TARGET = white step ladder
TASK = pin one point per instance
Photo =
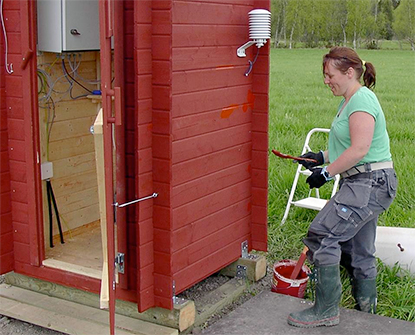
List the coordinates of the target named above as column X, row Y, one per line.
column 311, row 202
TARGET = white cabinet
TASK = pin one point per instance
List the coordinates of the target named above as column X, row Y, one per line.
column 67, row 25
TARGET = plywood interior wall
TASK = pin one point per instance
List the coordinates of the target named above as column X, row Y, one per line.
column 66, row 140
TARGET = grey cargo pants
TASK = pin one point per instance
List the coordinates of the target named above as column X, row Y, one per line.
column 347, row 224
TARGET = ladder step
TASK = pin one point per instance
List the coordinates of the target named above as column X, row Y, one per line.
column 311, row 203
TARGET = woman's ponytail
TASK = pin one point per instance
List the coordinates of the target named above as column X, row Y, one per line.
column 369, row 76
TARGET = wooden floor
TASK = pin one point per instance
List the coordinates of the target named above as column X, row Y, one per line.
column 81, row 252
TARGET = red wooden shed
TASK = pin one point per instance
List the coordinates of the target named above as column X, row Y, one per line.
column 188, row 125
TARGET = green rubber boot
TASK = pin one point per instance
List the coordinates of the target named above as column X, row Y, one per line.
column 325, row 311
column 364, row 292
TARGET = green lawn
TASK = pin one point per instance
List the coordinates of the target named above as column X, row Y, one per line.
column 299, row 101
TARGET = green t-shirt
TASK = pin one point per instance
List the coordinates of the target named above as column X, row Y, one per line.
column 364, row 100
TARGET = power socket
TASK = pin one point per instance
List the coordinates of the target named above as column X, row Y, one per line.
column 46, row 170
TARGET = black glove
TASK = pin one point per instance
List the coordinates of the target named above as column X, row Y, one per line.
column 318, row 156
column 318, row 178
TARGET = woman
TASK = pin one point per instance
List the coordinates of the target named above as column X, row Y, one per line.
column 344, row 231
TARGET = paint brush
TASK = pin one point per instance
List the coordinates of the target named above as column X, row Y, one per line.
column 281, row 155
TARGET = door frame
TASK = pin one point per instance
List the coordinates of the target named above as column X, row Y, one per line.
column 28, row 71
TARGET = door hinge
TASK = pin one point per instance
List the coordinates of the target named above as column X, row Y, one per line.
column 119, row 262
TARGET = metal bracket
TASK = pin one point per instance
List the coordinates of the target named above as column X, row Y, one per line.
column 244, row 249
column 176, row 300
column 240, row 272
column 241, row 50
column 119, row 262
column 116, row 204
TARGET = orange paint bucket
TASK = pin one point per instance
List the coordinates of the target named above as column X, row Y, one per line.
column 282, row 283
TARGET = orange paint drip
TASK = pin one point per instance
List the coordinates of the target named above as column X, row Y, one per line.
column 246, row 105
column 250, row 101
column 224, row 67
column 226, row 112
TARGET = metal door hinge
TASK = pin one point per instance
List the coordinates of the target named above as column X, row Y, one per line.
column 119, row 262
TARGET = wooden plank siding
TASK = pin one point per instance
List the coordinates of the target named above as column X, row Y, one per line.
column 6, row 227
column 13, row 151
column 69, row 146
column 214, row 113
column 130, row 146
column 211, row 193
column 141, row 135
column 161, row 150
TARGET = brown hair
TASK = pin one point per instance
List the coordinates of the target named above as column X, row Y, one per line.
column 343, row 58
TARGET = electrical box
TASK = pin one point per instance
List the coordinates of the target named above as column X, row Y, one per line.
column 68, row 25
column 46, row 170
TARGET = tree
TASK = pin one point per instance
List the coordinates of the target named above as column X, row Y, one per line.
column 385, row 20
column 344, row 18
column 358, row 11
column 278, row 8
column 404, row 25
column 335, row 22
column 312, row 22
column 373, row 26
column 293, row 18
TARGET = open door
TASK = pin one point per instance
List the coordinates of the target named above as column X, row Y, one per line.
column 111, row 44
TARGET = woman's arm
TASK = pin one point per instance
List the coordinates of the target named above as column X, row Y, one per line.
column 361, row 128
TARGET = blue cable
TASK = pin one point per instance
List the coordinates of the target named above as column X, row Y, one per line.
column 251, row 64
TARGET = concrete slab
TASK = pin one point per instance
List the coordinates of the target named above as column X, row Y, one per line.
column 266, row 314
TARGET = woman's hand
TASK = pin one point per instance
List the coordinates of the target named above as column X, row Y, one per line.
column 317, row 156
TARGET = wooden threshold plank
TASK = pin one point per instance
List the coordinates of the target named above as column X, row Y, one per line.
column 74, row 268
column 68, row 317
column 52, row 320
column 163, row 317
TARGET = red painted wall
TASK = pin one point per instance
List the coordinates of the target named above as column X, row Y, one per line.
column 196, row 133
column 6, row 228
column 210, row 122
column 143, row 75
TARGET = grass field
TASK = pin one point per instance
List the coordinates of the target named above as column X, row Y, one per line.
column 299, row 101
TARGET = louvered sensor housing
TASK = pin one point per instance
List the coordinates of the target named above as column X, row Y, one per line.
column 259, row 30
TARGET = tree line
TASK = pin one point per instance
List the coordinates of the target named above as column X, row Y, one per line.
column 362, row 23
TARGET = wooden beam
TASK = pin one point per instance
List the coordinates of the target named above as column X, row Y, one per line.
column 256, row 267
column 100, row 167
column 67, row 316
column 219, row 298
column 181, row 317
